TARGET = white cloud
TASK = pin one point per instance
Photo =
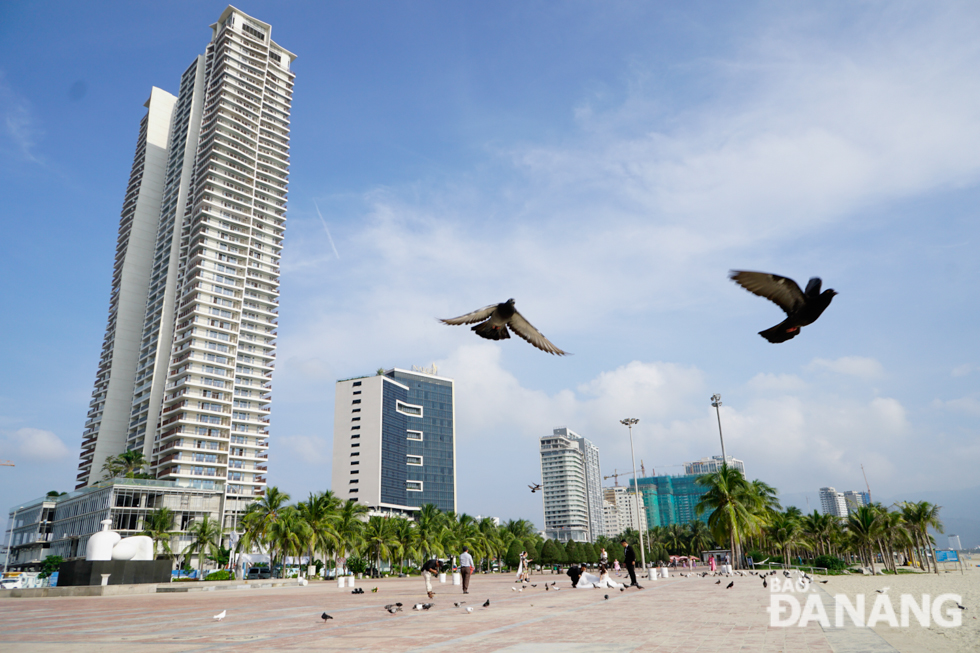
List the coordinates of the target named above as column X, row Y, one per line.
column 963, row 370
column 18, row 120
column 968, row 405
column 776, row 382
column 859, row 366
column 32, row 445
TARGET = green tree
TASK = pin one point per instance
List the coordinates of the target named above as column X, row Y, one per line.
column 548, row 555
column 259, row 518
column 572, row 553
column 128, row 464
column 50, row 565
column 159, row 526
column 320, row 512
column 734, row 509
column 430, row 523
column 513, row 555
column 287, row 536
column 349, row 527
column 699, row 537
column 205, row 541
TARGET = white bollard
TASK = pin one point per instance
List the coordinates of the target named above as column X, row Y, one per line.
column 105, row 579
column 457, row 578
column 442, row 577
column 350, row 581
column 341, row 581
column 652, row 573
column 664, row 572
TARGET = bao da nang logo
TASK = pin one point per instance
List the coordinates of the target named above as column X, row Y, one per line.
column 794, row 603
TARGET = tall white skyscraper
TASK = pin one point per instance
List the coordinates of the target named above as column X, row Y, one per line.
column 571, row 487
column 624, row 503
column 832, row 502
column 186, row 367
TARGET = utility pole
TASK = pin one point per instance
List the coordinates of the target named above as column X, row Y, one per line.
column 629, row 422
column 716, row 402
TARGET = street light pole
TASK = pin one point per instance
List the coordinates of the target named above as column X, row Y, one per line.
column 629, row 422
column 716, row 402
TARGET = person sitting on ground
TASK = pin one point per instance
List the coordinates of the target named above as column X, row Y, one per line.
column 574, row 572
column 606, row 581
column 587, row 580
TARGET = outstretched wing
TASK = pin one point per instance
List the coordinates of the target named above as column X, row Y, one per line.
column 782, row 291
column 471, row 318
column 524, row 329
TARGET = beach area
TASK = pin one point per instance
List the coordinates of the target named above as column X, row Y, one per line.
column 916, row 638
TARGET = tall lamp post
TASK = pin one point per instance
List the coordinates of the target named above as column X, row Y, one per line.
column 629, row 422
column 716, row 402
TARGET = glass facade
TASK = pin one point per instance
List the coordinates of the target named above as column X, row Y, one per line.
column 431, row 437
column 671, row 499
column 394, row 445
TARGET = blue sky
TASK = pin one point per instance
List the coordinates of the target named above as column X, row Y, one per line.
column 605, row 164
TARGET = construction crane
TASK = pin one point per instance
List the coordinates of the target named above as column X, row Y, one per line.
column 866, row 482
column 615, row 476
column 6, row 463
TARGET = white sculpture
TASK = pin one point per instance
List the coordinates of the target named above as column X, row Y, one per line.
column 109, row 545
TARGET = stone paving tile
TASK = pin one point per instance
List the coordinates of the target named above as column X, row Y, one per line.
column 674, row 615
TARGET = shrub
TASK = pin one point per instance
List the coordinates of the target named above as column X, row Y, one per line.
column 830, row 562
column 357, row 565
column 221, row 574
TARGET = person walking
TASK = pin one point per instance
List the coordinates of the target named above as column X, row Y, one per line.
column 629, row 558
column 466, row 568
column 604, row 557
column 428, row 570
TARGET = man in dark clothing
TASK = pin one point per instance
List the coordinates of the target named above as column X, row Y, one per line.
column 629, row 558
column 429, row 569
column 574, row 572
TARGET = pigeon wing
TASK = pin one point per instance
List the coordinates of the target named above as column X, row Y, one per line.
column 526, row 330
column 471, row 318
column 782, row 291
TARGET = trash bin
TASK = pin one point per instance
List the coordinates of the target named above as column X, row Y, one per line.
column 442, row 577
column 350, row 581
column 457, row 578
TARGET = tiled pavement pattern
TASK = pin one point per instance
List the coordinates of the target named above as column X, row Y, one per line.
column 676, row 614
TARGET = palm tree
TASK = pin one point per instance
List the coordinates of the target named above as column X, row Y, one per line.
column 260, row 517
column 287, row 535
column 459, row 531
column 406, row 535
column 380, row 538
column 429, row 520
column 700, row 537
column 785, row 532
column 349, row 527
column 676, row 539
column 206, row 535
column 159, row 525
column 127, row 464
column 863, row 528
column 734, row 507
column 921, row 517
column 520, row 528
column 490, row 543
column 319, row 512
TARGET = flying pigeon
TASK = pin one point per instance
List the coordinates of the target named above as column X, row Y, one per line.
column 219, row 617
column 730, row 585
column 534, row 584
column 325, row 616
column 494, row 320
column 802, row 307
column 487, row 604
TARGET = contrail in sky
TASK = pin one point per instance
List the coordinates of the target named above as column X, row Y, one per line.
column 324, row 223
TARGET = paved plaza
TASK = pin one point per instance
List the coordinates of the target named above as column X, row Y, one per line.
column 676, row 614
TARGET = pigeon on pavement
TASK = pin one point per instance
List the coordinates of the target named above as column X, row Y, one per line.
column 325, row 616
column 487, row 604
column 221, row 615
column 468, row 610
column 802, row 307
column 730, row 585
column 495, row 319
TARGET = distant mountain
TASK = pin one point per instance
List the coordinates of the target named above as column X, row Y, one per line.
column 959, row 512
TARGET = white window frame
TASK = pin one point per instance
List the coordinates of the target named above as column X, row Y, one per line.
column 399, row 404
column 409, row 488
column 420, row 462
column 410, row 432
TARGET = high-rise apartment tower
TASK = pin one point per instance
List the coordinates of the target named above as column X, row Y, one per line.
column 832, row 502
column 571, row 487
column 186, row 366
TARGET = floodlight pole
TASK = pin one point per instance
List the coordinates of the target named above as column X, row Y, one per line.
column 629, row 422
column 716, row 402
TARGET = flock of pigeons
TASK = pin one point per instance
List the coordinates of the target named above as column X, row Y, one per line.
column 802, row 308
